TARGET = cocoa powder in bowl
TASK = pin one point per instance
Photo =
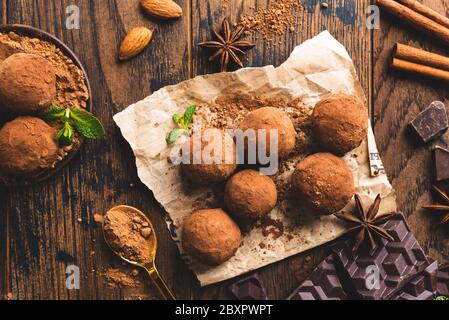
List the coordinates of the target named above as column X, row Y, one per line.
column 129, row 235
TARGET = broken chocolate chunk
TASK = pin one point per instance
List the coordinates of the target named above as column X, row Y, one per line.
column 250, row 288
column 380, row 273
column 441, row 164
column 422, row 287
column 432, row 122
column 323, row 284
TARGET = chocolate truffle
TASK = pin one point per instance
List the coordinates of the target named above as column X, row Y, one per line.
column 250, row 195
column 211, row 236
column 340, row 123
column 268, row 118
column 27, row 145
column 211, row 157
column 27, row 83
column 324, row 183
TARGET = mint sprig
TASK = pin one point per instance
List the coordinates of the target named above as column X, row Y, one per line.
column 84, row 122
column 441, row 298
column 183, row 123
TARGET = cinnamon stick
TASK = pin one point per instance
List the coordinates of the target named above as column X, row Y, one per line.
column 426, row 11
column 415, row 19
column 408, row 53
column 420, row 69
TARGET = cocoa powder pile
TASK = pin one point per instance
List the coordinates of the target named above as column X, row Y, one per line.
column 129, row 235
column 277, row 19
column 71, row 89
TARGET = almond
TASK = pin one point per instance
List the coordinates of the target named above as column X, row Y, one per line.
column 162, row 9
column 134, row 43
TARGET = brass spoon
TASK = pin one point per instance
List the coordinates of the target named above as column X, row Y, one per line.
column 148, row 265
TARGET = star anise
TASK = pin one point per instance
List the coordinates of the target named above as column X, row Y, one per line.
column 228, row 45
column 367, row 223
column 444, row 208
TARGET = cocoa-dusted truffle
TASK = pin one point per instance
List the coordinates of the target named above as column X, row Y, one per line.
column 271, row 118
column 250, row 195
column 27, row 145
column 27, row 83
column 211, row 157
column 324, row 183
column 340, row 123
column 211, row 236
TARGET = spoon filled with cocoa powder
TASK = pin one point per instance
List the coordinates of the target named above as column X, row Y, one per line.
column 130, row 235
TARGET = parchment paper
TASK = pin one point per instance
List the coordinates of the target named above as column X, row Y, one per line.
column 315, row 69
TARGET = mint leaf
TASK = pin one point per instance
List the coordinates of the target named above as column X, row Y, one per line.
column 176, row 134
column 441, row 298
column 55, row 113
column 65, row 135
column 177, row 118
column 87, row 124
column 188, row 115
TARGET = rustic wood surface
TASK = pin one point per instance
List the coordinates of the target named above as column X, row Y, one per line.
column 43, row 226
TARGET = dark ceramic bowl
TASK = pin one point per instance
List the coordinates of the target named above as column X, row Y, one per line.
column 40, row 34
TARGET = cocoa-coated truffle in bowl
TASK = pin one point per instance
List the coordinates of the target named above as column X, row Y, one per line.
column 211, row 236
column 211, row 157
column 269, row 118
column 27, row 145
column 250, row 195
column 27, row 83
column 324, row 183
column 340, row 123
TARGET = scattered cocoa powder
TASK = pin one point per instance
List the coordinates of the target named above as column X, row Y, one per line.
column 279, row 18
column 272, row 227
column 119, row 279
column 71, row 89
column 129, row 235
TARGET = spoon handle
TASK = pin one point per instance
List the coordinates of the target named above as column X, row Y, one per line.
column 160, row 284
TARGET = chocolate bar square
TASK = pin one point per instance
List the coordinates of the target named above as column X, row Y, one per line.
column 380, row 273
column 323, row 284
column 250, row 288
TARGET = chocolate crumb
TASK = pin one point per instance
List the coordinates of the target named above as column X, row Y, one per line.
column 272, row 227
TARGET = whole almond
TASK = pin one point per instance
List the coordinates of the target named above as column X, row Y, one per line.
column 162, row 9
column 134, row 43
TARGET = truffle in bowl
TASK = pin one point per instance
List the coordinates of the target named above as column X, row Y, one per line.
column 324, row 183
column 27, row 83
column 211, row 236
column 27, row 145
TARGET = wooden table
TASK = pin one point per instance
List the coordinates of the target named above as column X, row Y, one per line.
column 42, row 226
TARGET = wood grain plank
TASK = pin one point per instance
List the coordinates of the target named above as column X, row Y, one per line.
column 346, row 21
column 57, row 216
column 398, row 98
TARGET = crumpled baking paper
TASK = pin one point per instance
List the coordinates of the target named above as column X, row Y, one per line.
column 315, row 69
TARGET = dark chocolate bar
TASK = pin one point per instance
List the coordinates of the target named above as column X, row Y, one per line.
column 382, row 272
column 441, row 157
column 323, row 284
column 250, row 288
column 432, row 122
column 421, row 287
column 443, row 281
